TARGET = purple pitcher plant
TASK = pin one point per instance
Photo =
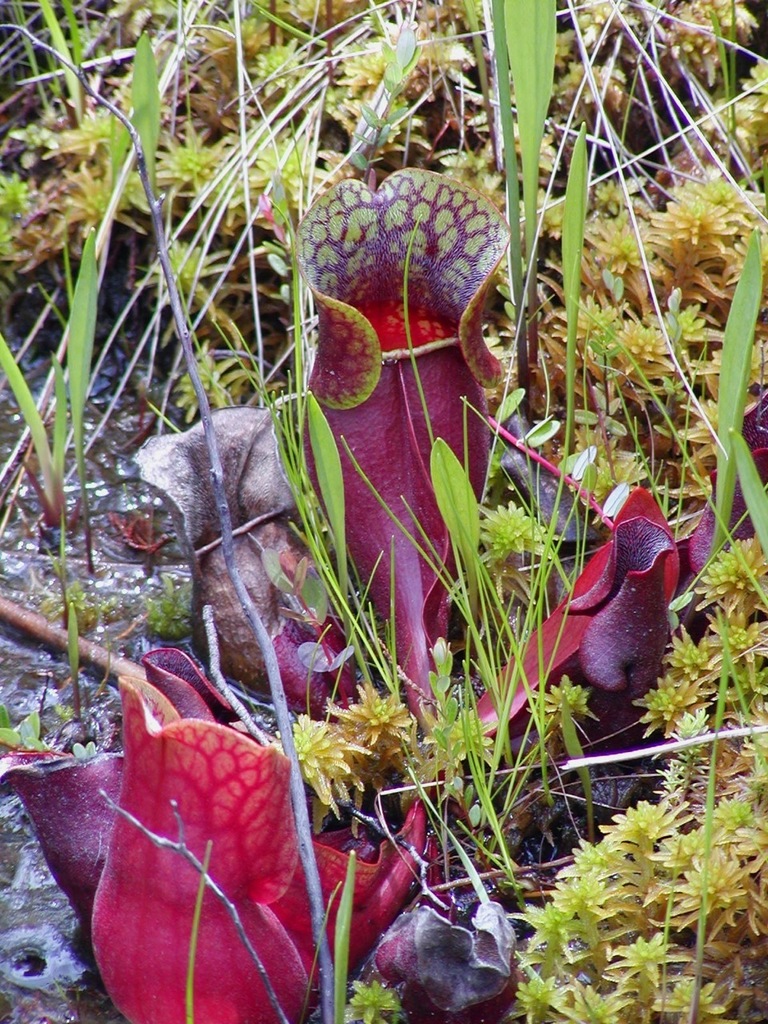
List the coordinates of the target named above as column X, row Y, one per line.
column 611, row 631
column 399, row 277
column 108, row 826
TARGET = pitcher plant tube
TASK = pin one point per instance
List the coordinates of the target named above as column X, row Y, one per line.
column 611, row 631
column 399, row 276
column 112, row 829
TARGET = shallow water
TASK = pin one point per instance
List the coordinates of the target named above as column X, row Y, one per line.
column 46, row 975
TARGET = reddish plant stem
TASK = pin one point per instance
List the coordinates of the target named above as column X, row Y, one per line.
column 534, row 456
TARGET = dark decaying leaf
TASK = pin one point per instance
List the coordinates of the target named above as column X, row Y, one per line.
column 178, row 466
column 447, row 972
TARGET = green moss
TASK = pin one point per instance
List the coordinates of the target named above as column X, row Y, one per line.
column 373, row 1004
column 169, row 615
column 90, row 606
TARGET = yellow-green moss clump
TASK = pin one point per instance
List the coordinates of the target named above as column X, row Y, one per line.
column 616, row 938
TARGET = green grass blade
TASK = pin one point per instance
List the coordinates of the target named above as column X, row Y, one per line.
column 73, row 653
column 59, row 436
column 285, row 26
column 331, row 482
column 119, row 142
column 74, row 88
column 506, row 121
column 752, row 487
column 734, row 377
column 146, row 102
column 73, row 648
column 82, row 328
column 74, row 32
column 341, row 941
column 32, row 419
column 706, row 898
column 458, row 507
column 574, row 749
column 574, row 216
column 189, row 995
column 469, row 867
column 470, row 10
column 19, row 18
column 531, row 31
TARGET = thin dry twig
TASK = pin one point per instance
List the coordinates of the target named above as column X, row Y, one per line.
column 219, row 682
column 664, row 749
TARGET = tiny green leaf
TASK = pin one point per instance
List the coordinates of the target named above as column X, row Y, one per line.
column 270, row 559
column 510, row 404
column 330, row 480
column 614, row 501
column 393, row 77
column 406, row 50
column 583, row 460
column 542, row 432
column 370, row 117
column 590, row 477
column 314, row 596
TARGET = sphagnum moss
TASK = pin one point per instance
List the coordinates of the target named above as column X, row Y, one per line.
column 624, row 915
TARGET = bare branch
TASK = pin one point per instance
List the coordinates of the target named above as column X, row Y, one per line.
column 220, row 684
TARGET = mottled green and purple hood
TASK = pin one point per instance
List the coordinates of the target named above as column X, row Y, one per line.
column 361, row 251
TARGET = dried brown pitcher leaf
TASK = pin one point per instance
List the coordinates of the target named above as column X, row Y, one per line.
column 178, row 466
